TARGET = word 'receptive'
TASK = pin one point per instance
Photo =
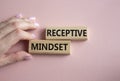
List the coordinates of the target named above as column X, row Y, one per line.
column 71, row 33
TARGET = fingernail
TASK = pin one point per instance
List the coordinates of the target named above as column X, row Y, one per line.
column 27, row 57
column 32, row 18
column 19, row 15
column 36, row 24
column 33, row 35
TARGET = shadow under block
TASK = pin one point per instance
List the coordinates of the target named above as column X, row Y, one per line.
column 69, row 33
column 49, row 47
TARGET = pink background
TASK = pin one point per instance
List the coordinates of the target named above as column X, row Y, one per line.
column 97, row 59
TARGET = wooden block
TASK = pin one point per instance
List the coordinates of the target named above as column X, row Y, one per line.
column 71, row 33
column 49, row 47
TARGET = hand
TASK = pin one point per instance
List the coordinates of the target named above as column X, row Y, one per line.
column 11, row 32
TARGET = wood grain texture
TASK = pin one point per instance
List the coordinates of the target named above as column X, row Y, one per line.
column 49, row 47
column 66, row 33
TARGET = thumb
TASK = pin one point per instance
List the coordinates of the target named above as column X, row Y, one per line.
column 14, row 57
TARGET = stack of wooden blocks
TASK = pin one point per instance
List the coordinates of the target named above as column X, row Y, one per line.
column 58, row 40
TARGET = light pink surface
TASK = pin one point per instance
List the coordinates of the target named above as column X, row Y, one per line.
column 97, row 59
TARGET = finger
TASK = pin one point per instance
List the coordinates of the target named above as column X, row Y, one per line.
column 14, row 57
column 3, row 23
column 29, row 19
column 29, row 22
column 8, row 41
column 25, row 25
column 17, row 25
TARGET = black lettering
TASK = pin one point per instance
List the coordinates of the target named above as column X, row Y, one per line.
column 39, row 46
column 60, row 47
column 34, row 46
column 53, row 32
column 67, row 32
column 63, row 32
column 72, row 32
column 76, row 32
column 65, row 46
column 57, row 32
column 51, row 46
column 56, row 46
column 49, row 33
column 44, row 47
column 80, row 32
column 85, row 33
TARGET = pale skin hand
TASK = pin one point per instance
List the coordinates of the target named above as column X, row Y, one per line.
column 11, row 32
